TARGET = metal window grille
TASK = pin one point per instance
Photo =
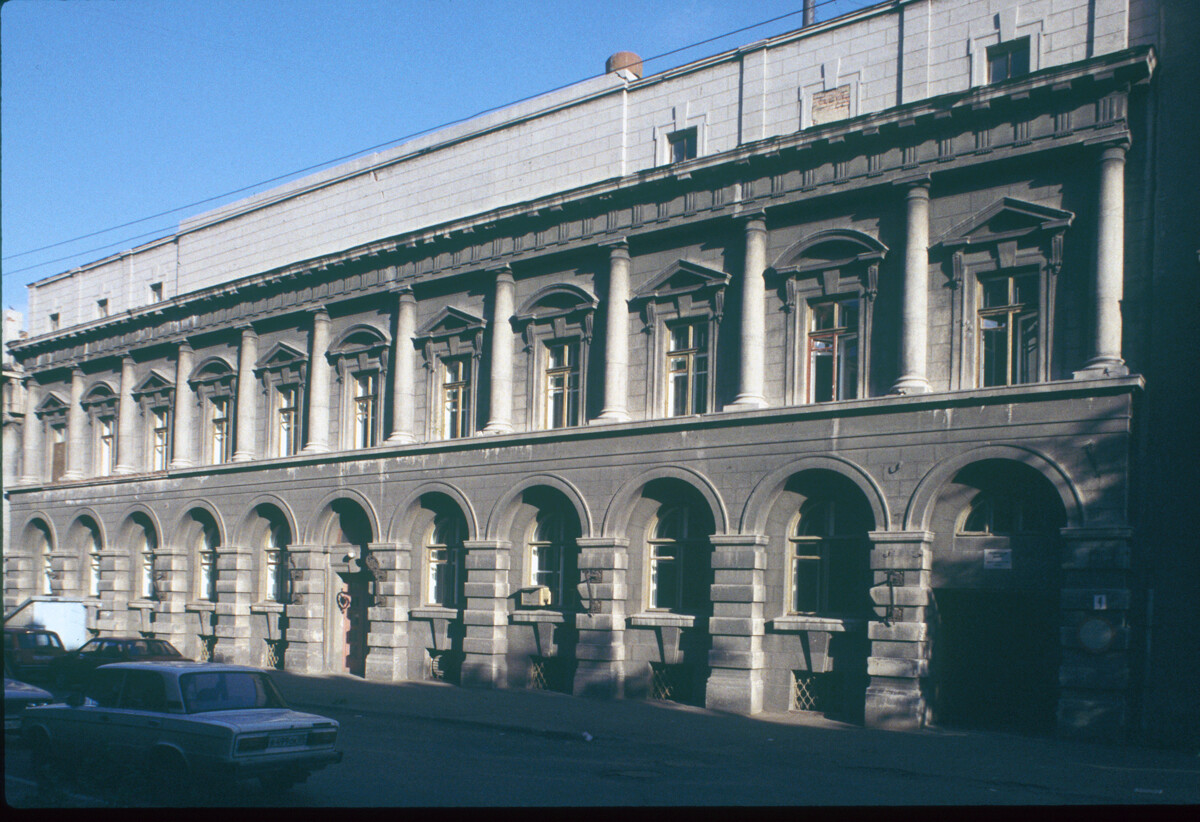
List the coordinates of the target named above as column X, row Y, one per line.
column 549, row 673
column 276, row 649
column 670, row 682
column 817, row 692
column 208, row 647
column 444, row 666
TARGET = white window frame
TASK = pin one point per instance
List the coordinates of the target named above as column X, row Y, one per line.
column 451, row 560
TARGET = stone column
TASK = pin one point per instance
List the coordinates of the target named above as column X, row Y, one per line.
column 247, row 396
column 754, row 317
column 306, row 612
column 76, row 431
column 600, row 650
column 403, row 382
column 486, row 615
column 235, row 594
column 737, row 624
column 500, row 407
column 899, row 661
column 31, row 435
column 914, row 315
column 1094, row 675
column 183, row 440
column 1109, row 283
column 126, row 420
column 616, row 336
column 387, row 641
column 318, row 386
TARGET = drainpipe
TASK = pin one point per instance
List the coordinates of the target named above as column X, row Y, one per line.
column 810, row 12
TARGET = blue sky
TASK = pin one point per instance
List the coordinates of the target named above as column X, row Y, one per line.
column 112, row 111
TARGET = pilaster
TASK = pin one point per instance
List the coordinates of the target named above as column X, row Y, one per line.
column 914, row 310
column 126, row 420
column 486, row 615
column 76, row 437
column 247, row 397
column 616, row 336
column 183, row 443
column 500, row 405
column 754, row 317
column 318, row 385
column 603, row 592
column 306, row 612
column 899, row 661
column 235, row 593
column 736, row 627
column 387, row 657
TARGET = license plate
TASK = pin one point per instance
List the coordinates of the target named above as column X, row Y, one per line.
column 12, row 724
column 288, row 740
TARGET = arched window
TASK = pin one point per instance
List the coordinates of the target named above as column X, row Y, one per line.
column 549, row 547
column 829, row 558
column 678, row 562
column 999, row 514
column 444, row 562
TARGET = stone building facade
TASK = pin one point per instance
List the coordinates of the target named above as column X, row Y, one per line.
column 792, row 378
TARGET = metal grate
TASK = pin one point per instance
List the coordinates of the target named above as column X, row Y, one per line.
column 208, row 647
column 276, row 649
column 444, row 666
column 670, row 682
column 814, row 692
column 549, row 673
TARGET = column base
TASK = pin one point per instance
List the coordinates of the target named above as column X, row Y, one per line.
column 911, row 385
column 747, row 402
column 122, row 470
column 315, row 448
column 894, row 708
column 400, row 439
column 497, row 428
column 1096, row 718
column 180, row 463
column 609, row 415
column 71, row 476
column 1101, row 367
column 734, row 691
column 242, row 456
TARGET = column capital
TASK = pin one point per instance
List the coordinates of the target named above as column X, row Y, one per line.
column 619, row 246
column 755, row 220
column 502, row 274
column 916, row 185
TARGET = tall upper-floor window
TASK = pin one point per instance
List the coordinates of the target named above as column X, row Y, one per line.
column 1008, row 329
column 58, row 451
column 366, row 406
column 833, row 350
column 160, row 442
column 1007, row 60
column 287, row 422
column 687, row 368
column 105, row 446
column 220, row 440
column 562, row 384
column 455, row 397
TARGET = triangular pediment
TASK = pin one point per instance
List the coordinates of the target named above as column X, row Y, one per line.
column 281, row 355
column 449, row 321
column 1007, row 218
column 51, row 403
column 681, row 277
column 153, row 382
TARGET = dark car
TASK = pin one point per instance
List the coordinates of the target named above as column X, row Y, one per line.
column 73, row 668
column 18, row 696
column 28, row 651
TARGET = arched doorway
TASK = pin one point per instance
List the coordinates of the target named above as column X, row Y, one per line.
column 994, row 623
column 353, row 588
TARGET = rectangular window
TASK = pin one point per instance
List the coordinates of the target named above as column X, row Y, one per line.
column 681, row 145
column 833, row 350
column 1008, row 329
column 156, row 292
column 219, row 423
column 160, row 446
column 54, row 319
column 149, row 591
column 665, row 561
column 94, row 576
column 208, row 576
column 102, row 308
column 287, row 422
column 58, row 451
column 441, row 586
column 687, row 369
column 807, row 583
column 456, row 398
column 106, row 452
column 365, row 396
column 1008, row 60
column 562, row 384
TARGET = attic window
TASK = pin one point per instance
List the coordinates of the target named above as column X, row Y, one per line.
column 156, row 292
column 681, row 144
column 53, row 322
column 102, row 308
column 1008, row 60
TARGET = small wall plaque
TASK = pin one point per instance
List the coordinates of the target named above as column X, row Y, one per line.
column 997, row 558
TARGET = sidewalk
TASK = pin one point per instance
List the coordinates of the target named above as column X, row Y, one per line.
column 1067, row 771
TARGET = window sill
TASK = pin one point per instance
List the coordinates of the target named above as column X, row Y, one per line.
column 200, row 606
column 433, row 612
column 537, row 616
column 663, row 620
column 144, row 604
column 803, row 622
column 267, row 608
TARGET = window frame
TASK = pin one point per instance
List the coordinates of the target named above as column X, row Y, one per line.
column 361, row 350
column 451, row 333
column 825, row 550
column 100, row 405
column 156, row 394
column 836, row 334
column 456, row 385
column 683, row 144
column 51, row 414
column 283, row 370
column 692, row 557
column 559, row 314
column 454, row 560
column 214, row 383
column 1007, row 50
column 1013, row 312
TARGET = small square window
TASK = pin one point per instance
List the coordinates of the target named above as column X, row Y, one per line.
column 681, row 144
column 1008, row 60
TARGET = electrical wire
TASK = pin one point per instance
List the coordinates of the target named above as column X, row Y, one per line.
column 325, row 164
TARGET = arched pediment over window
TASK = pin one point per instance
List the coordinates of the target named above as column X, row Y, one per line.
column 99, row 396
column 555, row 300
column 211, row 370
column 833, row 248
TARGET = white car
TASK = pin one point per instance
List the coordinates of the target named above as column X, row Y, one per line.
column 17, row 697
column 183, row 724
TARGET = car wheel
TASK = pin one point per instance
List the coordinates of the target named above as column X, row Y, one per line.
column 171, row 780
column 41, row 757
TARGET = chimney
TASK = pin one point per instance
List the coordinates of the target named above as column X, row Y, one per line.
column 626, row 64
column 810, row 12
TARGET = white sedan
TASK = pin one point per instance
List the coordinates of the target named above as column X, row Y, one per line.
column 183, row 724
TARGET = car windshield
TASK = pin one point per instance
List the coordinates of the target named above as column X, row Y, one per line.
column 40, row 641
column 228, row 691
column 152, row 647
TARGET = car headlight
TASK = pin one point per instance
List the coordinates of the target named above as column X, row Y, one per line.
column 250, row 744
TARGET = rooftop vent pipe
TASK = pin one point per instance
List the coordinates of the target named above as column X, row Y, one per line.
column 624, row 61
column 810, row 12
